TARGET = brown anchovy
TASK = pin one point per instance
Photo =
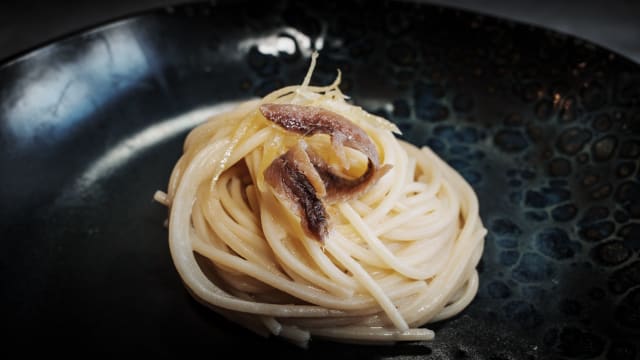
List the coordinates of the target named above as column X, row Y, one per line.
column 303, row 177
column 339, row 188
column 311, row 120
column 286, row 177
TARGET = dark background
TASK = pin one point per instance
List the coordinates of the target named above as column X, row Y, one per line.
column 614, row 24
column 81, row 261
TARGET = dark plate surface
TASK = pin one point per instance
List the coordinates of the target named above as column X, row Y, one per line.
column 545, row 127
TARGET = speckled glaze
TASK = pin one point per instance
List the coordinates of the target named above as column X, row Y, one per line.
column 544, row 126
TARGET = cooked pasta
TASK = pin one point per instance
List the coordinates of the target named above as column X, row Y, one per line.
column 302, row 215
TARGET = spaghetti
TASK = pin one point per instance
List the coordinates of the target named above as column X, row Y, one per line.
column 395, row 249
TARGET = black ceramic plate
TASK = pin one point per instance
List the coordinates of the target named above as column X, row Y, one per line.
column 544, row 126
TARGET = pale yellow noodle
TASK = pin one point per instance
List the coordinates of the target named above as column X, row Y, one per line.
column 396, row 258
